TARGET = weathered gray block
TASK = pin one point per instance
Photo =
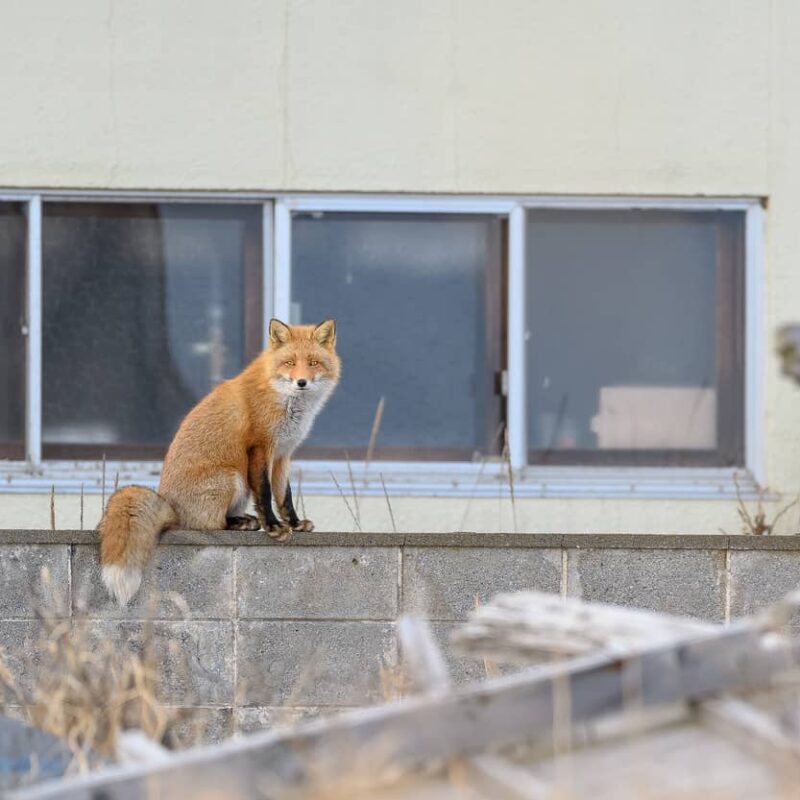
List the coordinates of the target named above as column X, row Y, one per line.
column 250, row 719
column 181, row 582
column 312, row 663
column 464, row 669
column 21, row 646
column 317, row 582
column 688, row 582
column 22, row 589
column 195, row 660
column 200, row 726
column 443, row 583
column 760, row 578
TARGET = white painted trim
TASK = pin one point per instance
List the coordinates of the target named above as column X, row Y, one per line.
column 127, row 196
column 408, row 205
column 756, row 342
column 517, row 340
column 282, row 265
column 600, row 203
column 268, row 269
column 6, row 197
column 419, row 479
column 33, row 348
column 477, row 203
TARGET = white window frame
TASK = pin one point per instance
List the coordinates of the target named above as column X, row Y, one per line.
column 419, row 478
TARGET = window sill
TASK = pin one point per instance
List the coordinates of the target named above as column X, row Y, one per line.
column 417, row 479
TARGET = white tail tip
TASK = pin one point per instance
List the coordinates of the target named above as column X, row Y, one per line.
column 122, row 582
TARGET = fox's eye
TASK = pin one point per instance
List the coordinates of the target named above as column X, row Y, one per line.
column 288, row 363
column 313, row 363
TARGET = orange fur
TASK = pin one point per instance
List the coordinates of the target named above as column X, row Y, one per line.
column 243, row 431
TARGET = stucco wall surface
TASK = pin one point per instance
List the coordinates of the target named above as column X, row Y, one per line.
column 604, row 97
column 425, row 95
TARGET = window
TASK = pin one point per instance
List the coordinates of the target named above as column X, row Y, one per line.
column 13, row 230
column 145, row 308
column 417, row 297
column 582, row 333
column 636, row 337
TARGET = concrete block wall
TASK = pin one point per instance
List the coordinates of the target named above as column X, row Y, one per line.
column 253, row 633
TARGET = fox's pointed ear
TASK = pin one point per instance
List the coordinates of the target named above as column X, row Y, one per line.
column 278, row 333
column 325, row 334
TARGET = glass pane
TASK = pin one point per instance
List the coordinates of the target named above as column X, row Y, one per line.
column 12, row 314
column 409, row 295
column 622, row 319
column 143, row 315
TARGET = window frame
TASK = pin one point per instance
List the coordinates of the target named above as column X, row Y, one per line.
column 252, row 313
column 425, row 477
column 729, row 312
column 9, row 450
column 496, row 346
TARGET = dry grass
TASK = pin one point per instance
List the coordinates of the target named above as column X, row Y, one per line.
column 388, row 503
column 87, row 689
column 353, row 488
column 510, row 476
column 395, row 682
column 373, row 435
column 355, row 519
column 756, row 524
column 489, row 665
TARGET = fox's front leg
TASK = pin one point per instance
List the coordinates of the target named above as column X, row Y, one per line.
column 283, row 496
column 258, row 478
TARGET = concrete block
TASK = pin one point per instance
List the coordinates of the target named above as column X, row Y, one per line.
column 21, row 578
column 317, row 582
column 312, row 663
column 181, row 582
column 198, row 726
column 687, row 582
column 251, row 719
column 644, row 541
column 465, row 669
column 21, row 647
column 774, row 542
column 443, row 583
column 194, row 660
column 759, row 578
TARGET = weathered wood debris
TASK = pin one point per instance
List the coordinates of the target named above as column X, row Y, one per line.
column 625, row 704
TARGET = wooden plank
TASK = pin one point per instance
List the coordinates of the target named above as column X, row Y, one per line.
column 466, row 722
column 674, row 762
column 500, row 779
column 495, row 777
column 521, row 627
column 752, row 729
column 136, row 747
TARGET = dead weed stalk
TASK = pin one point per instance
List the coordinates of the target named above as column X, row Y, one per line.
column 756, row 524
column 86, row 689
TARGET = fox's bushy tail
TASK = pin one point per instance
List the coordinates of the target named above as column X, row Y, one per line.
column 129, row 531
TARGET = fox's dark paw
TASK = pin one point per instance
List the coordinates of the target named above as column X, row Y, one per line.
column 303, row 525
column 279, row 531
column 246, row 522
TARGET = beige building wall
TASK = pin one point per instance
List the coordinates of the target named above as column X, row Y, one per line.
column 607, row 97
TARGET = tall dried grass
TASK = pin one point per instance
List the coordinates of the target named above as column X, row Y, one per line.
column 87, row 689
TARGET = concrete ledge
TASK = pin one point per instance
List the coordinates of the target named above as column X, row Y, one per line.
column 625, row 541
column 251, row 632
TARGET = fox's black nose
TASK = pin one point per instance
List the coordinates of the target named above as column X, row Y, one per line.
column 302, row 383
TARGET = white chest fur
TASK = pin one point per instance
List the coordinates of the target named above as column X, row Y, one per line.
column 297, row 420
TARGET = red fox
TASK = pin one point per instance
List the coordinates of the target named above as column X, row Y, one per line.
column 237, row 440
